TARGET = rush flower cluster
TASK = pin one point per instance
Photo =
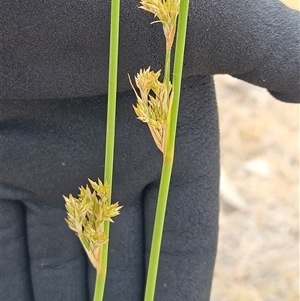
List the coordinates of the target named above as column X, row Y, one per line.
column 153, row 101
column 166, row 11
column 86, row 215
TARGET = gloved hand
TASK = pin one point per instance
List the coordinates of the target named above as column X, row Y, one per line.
column 51, row 147
column 52, row 140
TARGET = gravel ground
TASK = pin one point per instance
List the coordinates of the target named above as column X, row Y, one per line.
column 258, row 253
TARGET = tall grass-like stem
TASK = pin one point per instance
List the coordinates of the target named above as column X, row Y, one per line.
column 110, row 137
column 168, row 155
column 167, row 69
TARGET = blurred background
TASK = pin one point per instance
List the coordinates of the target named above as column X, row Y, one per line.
column 258, row 252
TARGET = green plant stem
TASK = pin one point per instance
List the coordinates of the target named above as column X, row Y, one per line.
column 168, row 155
column 167, row 69
column 110, row 137
column 177, row 74
column 157, row 230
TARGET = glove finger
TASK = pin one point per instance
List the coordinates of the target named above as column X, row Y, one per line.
column 14, row 273
column 125, row 274
column 189, row 243
column 57, row 259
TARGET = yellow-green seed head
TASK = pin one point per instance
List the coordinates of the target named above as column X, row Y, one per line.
column 86, row 215
column 167, row 12
column 153, row 102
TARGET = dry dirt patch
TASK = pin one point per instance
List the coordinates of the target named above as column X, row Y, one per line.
column 259, row 218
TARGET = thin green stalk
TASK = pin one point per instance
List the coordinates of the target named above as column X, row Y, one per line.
column 110, row 136
column 168, row 155
column 167, row 69
column 177, row 74
column 158, row 230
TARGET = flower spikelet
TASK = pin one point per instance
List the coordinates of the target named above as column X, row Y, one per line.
column 153, row 102
column 167, row 12
column 86, row 215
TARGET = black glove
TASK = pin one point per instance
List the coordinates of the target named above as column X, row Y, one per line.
column 58, row 49
column 51, row 146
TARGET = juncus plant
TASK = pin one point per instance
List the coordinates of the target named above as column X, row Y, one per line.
column 90, row 213
column 157, row 105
